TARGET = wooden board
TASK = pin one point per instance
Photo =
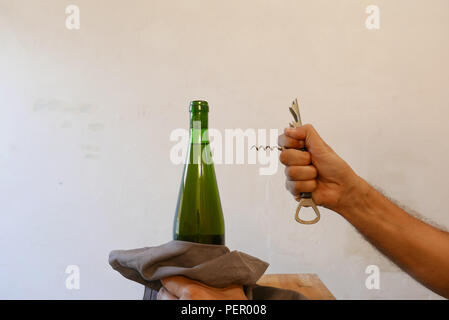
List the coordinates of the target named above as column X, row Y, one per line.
column 308, row 284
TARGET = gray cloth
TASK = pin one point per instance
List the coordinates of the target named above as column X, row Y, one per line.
column 213, row 265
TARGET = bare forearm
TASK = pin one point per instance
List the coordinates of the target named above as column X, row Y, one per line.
column 418, row 248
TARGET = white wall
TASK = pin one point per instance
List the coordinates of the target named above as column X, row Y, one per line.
column 85, row 119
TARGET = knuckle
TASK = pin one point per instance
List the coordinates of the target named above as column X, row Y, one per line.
column 307, row 157
column 187, row 291
column 193, row 292
column 308, row 126
column 309, row 186
column 281, row 140
column 283, row 157
column 305, row 186
column 289, row 172
column 314, row 171
column 297, row 187
column 187, row 294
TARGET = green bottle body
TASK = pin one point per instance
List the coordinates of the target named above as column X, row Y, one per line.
column 199, row 216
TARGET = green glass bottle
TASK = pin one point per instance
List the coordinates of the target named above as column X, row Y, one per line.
column 199, row 216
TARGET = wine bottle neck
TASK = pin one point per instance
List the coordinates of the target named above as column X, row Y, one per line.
column 199, row 127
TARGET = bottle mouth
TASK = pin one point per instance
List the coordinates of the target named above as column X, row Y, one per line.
column 199, row 106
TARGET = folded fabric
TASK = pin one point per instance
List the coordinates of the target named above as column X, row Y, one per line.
column 213, row 265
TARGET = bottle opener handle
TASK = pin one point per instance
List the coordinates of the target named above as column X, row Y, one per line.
column 306, row 201
column 305, row 198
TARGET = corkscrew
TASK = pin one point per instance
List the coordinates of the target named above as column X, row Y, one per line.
column 305, row 198
column 266, row 148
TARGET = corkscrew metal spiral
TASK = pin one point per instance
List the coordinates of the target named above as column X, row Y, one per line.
column 305, row 198
column 266, row 148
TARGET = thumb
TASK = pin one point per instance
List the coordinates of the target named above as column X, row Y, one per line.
column 313, row 141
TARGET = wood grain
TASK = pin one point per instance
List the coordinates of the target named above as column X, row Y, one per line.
column 307, row 284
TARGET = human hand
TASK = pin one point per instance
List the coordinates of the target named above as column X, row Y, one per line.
column 318, row 170
column 182, row 288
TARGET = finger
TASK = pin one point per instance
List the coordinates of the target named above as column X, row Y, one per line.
column 164, row 294
column 298, row 133
column 288, row 142
column 308, row 133
column 300, row 173
column 177, row 285
column 297, row 187
column 292, row 157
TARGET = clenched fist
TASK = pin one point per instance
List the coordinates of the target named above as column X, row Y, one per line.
column 318, row 170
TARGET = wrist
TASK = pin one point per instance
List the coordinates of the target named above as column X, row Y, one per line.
column 355, row 197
